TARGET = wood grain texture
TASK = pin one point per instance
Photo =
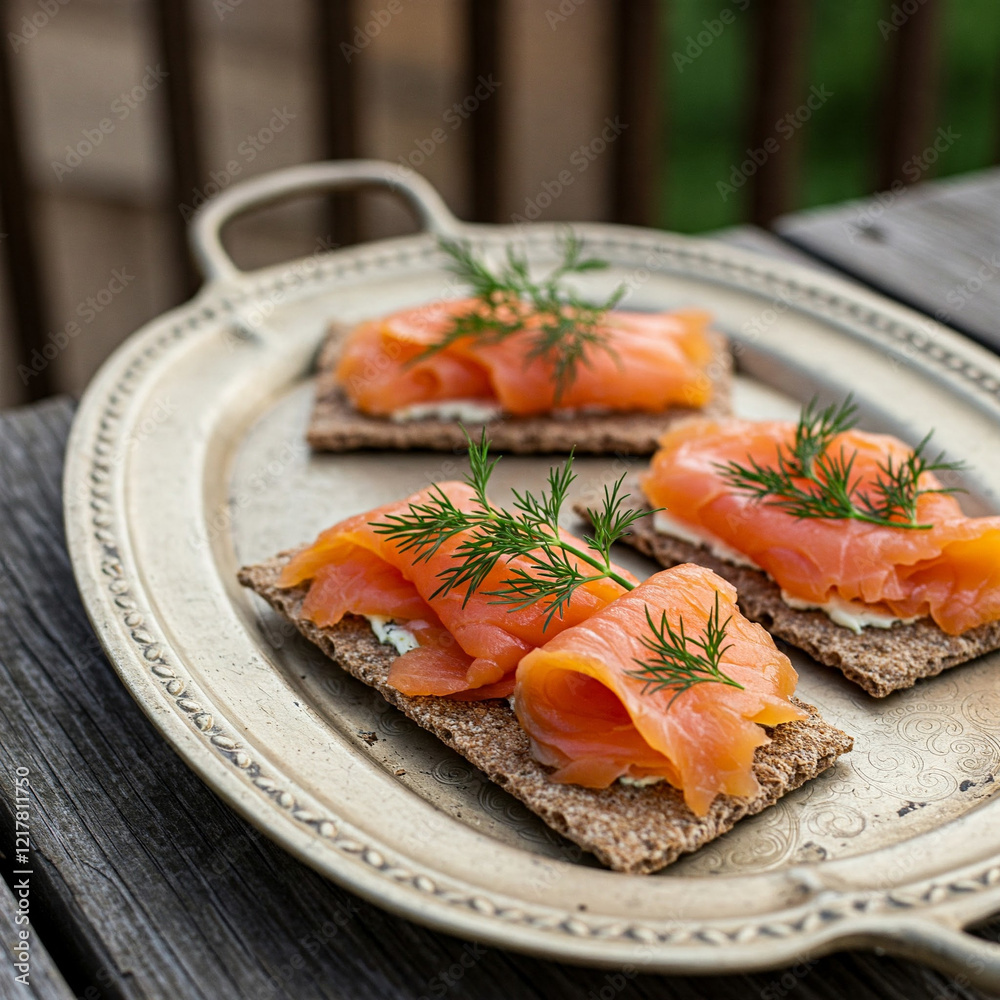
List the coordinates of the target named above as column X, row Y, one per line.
column 761, row 241
column 933, row 246
column 147, row 886
column 43, row 982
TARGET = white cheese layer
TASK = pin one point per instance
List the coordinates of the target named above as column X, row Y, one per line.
column 469, row 411
column 667, row 525
column 640, row 782
column 392, row 633
column 474, row 411
column 850, row 614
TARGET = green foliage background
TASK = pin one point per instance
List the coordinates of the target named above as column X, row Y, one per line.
column 708, row 103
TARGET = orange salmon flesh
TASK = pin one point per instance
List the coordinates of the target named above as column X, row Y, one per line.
column 594, row 722
column 468, row 649
column 574, row 695
column 950, row 572
column 655, row 361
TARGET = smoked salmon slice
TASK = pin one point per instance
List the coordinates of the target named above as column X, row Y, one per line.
column 591, row 718
column 949, row 571
column 467, row 645
column 651, row 362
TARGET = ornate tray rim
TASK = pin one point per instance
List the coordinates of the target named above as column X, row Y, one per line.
column 922, row 919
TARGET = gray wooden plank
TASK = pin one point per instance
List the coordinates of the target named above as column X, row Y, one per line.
column 761, row 241
column 934, row 246
column 29, row 972
column 147, row 886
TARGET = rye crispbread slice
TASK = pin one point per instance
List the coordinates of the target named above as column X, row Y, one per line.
column 638, row 830
column 880, row 660
column 335, row 425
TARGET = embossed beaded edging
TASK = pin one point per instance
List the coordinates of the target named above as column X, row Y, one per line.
column 158, row 658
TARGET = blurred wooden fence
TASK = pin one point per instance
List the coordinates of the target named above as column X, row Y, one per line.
column 118, row 116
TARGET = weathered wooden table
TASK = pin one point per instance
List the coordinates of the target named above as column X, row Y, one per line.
column 143, row 884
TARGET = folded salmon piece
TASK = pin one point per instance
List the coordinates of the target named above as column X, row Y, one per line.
column 654, row 361
column 950, row 571
column 465, row 647
column 589, row 715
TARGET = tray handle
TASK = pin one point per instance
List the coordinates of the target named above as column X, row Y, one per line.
column 969, row 960
column 206, row 226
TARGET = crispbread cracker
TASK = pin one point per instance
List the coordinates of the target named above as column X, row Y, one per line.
column 630, row 829
column 881, row 660
column 336, row 425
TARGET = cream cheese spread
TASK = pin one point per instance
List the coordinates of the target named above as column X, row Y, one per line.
column 476, row 411
column 848, row 614
column 640, row 782
column 469, row 411
column 392, row 633
column 667, row 525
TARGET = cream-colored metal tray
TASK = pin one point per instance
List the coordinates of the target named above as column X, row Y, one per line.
column 187, row 459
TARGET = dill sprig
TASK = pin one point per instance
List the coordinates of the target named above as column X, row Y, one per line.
column 565, row 327
column 678, row 661
column 493, row 535
column 809, row 479
column 556, row 567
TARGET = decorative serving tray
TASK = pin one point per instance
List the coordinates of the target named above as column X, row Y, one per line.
column 188, row 459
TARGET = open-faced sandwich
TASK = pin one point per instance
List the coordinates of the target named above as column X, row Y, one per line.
column 847, row 544
column 546, row 370
column 640, row 720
